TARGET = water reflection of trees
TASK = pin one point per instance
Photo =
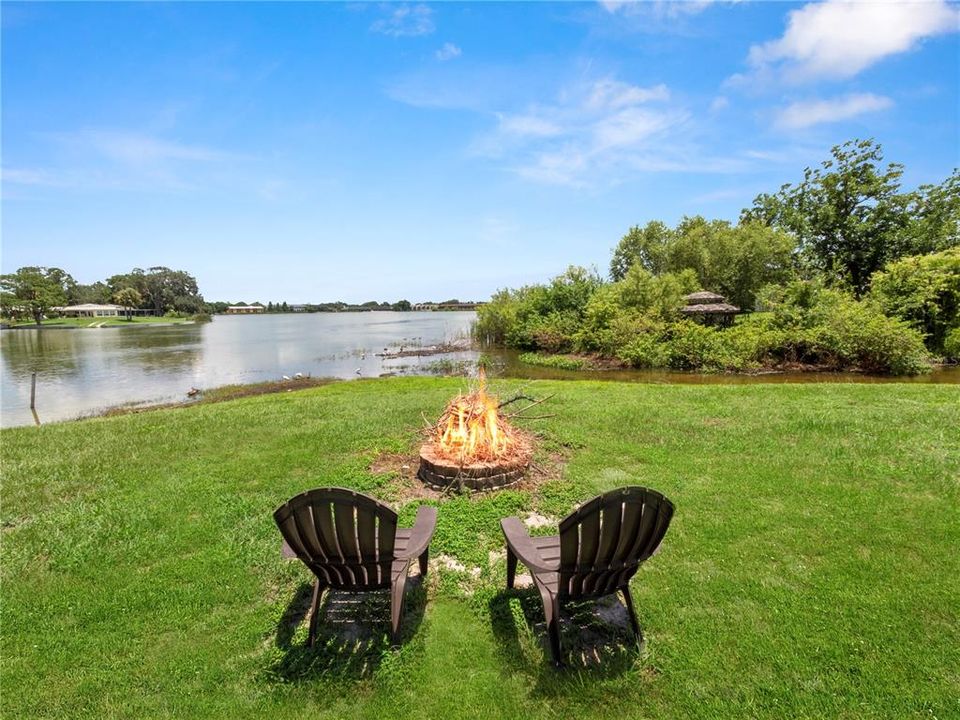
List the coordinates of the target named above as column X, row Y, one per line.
column 73, row 353
column 160, row 349
column 51, row 352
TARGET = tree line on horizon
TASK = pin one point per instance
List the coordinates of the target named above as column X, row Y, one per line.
column 337, row 306
column 843, row 269
column 33, row 292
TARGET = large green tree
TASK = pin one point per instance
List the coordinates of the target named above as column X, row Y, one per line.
column 98, row 292
column 934, row 218
column 162, row 289
column 647, row 246
column 850, row 217
column 34, row 290
column 734, row 260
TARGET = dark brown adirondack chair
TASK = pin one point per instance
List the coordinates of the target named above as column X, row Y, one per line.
column 598, row 550
column 351, row 542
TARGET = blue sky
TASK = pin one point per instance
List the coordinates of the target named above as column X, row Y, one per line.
column 312, row 152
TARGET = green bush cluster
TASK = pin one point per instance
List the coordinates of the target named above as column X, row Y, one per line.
column 636, row 320
column 844, row 270
column 951, row 345
column 923, row 290
column 539, row 317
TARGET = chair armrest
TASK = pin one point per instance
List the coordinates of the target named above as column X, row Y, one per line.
column 519, row 542
column 421, row 533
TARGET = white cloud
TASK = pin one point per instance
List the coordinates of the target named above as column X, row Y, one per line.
column 659, row 8
column 838, row 38
column 628, row 127
column 448, row 52
column 528, row 125
column 31, row 176
column 138, row 149
column 719, row 103
column 406, row 21
column 814, row 112
column 597, row 129
column 126, row 159
column 615, row 94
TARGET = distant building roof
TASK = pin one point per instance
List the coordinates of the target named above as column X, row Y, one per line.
column 90, row 306
column 245, row 307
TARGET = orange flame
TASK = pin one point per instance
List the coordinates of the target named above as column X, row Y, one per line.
column 471, row 428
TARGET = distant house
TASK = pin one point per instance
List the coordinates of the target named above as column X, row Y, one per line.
column 709, row 308
column 91, row 310
column 298, row 308
column 245, row 309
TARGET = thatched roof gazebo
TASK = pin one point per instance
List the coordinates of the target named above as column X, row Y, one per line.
column 709, row 308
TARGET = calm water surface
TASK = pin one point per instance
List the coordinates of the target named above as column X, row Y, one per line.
column 83, row 371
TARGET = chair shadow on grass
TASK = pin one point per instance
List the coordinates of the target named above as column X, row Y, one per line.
column 353, row 634
column 596, row 638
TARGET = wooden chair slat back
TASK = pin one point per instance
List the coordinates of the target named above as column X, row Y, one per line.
column 347, row 539
column 603, row 542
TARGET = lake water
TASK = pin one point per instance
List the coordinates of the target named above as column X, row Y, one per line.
column 83, row 371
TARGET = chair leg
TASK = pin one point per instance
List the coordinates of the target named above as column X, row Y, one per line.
column 551, row 611
column 424, row 561
column 314, row 612
column 631, row 612
column 511, row 567
column 396, row 607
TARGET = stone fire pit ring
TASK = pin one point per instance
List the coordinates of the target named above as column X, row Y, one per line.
column 441, row 473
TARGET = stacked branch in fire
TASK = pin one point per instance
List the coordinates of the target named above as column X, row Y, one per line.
column 473, row 430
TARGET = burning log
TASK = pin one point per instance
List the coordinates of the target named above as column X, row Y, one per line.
column 473, row 445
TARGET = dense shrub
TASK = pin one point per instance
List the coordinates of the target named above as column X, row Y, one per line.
column 645, row 350
column 640, row 303
column 951, row 346
column 538, row 316
column 923, row 290
column 691, row 346
column 553, row 333
column 809, row 324
column 635, row 320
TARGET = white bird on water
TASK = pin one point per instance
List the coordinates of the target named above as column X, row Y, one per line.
column 358, row 371
column 286, row 377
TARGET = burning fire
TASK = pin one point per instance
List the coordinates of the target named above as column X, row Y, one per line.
column 471, row 429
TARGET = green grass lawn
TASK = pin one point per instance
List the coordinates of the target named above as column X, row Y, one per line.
column 812, row 569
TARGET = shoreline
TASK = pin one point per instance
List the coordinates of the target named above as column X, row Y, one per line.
column 236, row 391
column 96, row 327
column 593, row 363
column 223, row 393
